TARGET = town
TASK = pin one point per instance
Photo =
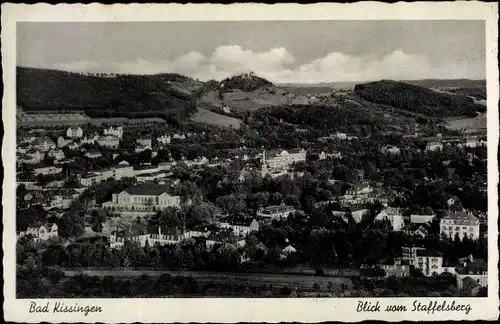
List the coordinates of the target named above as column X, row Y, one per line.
column 359, row 210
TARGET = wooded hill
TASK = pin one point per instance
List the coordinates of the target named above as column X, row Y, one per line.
column 417, row 99
column 39, row 89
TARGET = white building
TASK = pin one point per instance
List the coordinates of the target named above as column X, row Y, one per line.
column 394, row 216
column 460, row 222
column 93, row 154
column 390, row 149
column 143, row 197
column 164, row 139
column 276, row 212
column 340, row 135
column 118, row 131
column 429, row 262
column 56, row 154
column 358, row 213
column 240, row 227
column 434, row 146
column 284, row 159
column 116, row 173
column 43, row 144
column 409, row 253
column 47, row 170
column 89, row 139
column 41, row 232
column 62, row 142
column 144, row 142
column 74, row 132
column 109, row 141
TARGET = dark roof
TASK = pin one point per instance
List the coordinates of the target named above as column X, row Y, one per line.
column 475, row 267
column 152, row 229
column 239, row 221
column 146, row 189
column 428, row 253
column 459, row 215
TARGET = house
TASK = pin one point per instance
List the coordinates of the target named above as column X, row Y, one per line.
column 324, row 156
column 164, row 139
column 74, row 132
column 93, row 154
column 89, row 139
column 358, row 213
column 117, row 132
column 390, row 149
column 394, row 216
column 284, row 159
column 429, row 262
column 225, row 109
column 476, row 270
column 179, row 136
column 276, row 212
column 117, row 173
column 289, row 249
column 359, row 189
column 143, row 235
column 146, row 141
column 56, row 154
column 240, row 226
column 461, row 223
column 108, row 141
column 409, row 253
column 434, row 146
column 143, row 197
column 395, row 267
column 140, row 148
column 43, row 144
column 47, row 170
column 41, row 231
column 421, row 219
column 222, row 237
column 340, row 135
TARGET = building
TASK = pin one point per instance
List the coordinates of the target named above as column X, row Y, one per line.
column 395, row 267
column 41, row 232
column 240, row 226
column 151, row 235
column 434, row 146
column 459, row 223
column 409, row 253
column 143, row 197
column 164, row 139
column 359, row 189
column 47, row 170
column 144, row 142
column 116, row 173
column 429, row 262
column 476, row 270
column 117, row 132
column 43, row 144
column 89, row 139
column 110, row 141
column 74, row 132
column 421, row 219
column 358, row 213
column 93, row 154
column 283, row 159
column 324, row 156
column 340, row 135
column 56, row 154
column 276, row 212
column 394, row 216
column 390, row 149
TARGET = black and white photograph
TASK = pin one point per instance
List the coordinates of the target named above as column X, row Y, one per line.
column 252, row 159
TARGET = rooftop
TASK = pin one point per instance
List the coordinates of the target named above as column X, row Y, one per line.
column 146, row 189
column 459, row 215
column 428, row 253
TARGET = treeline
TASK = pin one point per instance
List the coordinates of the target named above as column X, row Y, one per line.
column 417, row 99
column 245, row 82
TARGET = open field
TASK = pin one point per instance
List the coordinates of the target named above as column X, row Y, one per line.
column 475, row 124
column 299, row 282
column 209, row 117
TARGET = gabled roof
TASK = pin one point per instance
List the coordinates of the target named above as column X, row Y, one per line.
column 459, row 215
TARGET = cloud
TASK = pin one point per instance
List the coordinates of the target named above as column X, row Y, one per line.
column 279, row 65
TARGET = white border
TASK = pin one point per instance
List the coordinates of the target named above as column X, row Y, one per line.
column 235, row 310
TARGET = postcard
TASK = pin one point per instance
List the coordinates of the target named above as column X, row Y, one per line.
column 250, row 162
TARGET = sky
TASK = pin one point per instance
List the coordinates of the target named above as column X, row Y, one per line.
column 280, row 51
